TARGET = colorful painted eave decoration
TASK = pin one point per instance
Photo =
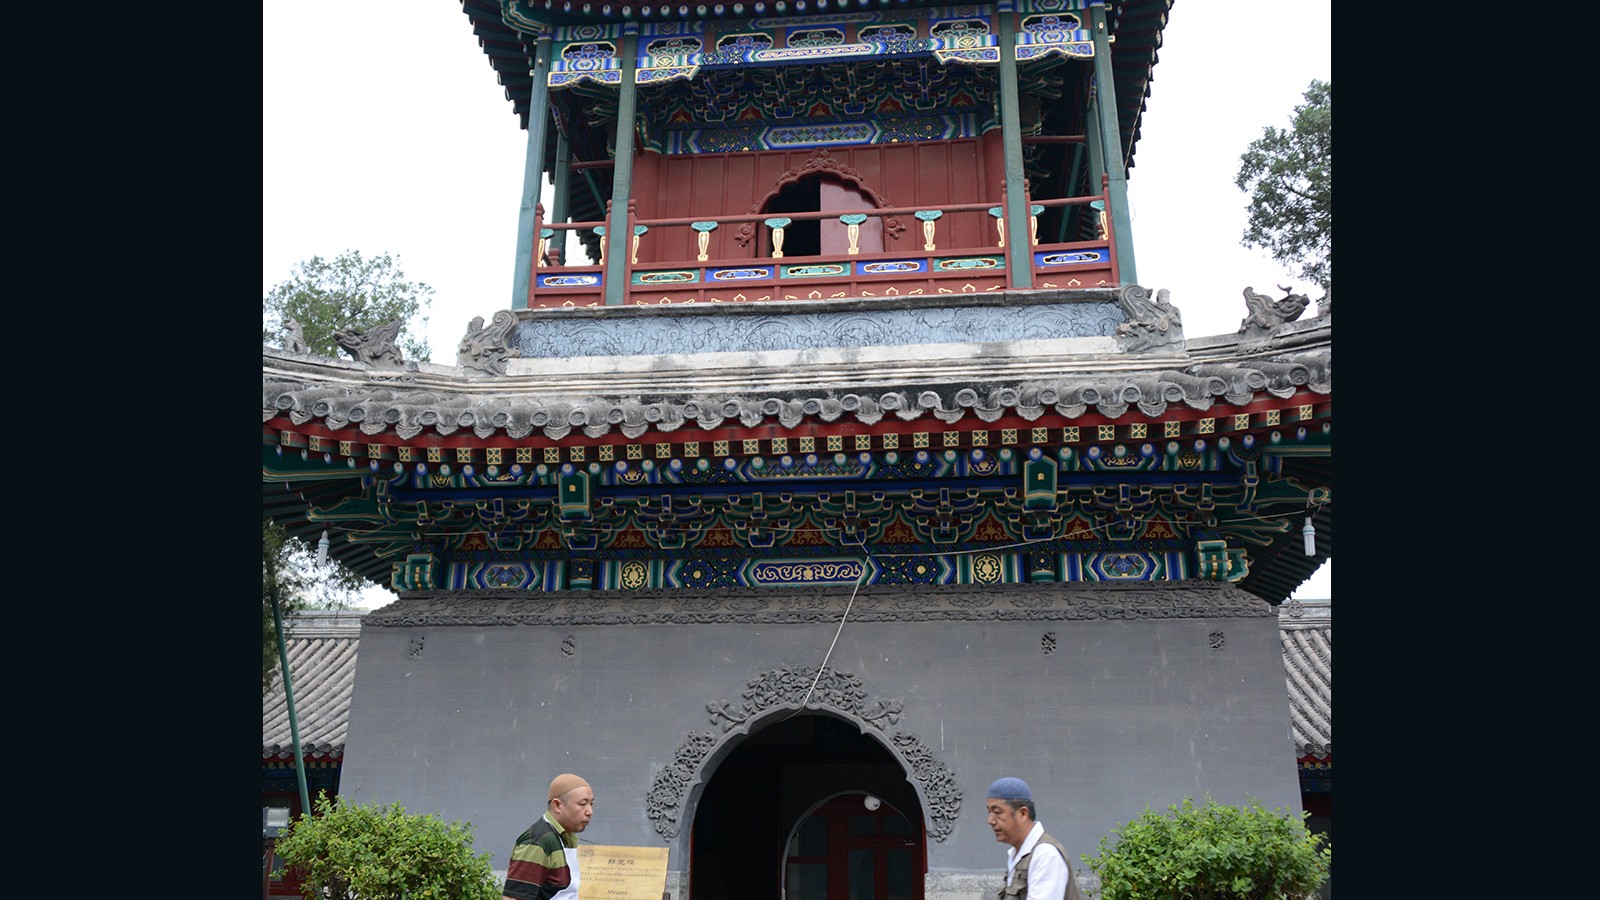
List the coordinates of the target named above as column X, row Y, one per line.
column 966, row 516
column 532, row 17
column 673, row 50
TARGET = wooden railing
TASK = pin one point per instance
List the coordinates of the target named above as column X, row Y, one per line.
column 687, row 273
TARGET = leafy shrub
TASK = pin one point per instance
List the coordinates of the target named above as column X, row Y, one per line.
column 349, row 852
column 1213, row 852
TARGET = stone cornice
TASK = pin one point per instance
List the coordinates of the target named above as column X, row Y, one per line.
column 776, row 606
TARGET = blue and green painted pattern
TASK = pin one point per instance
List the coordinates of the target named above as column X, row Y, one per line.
column 681, row 49
column 1096, row 256
column 826, row 125
column 1116, row 510
column 973, row 568
column 968, row 263
column 668, row 277
column 569, row 280
column 670, row 50
column 813, row 270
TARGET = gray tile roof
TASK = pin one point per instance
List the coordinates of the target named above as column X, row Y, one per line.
column 667, row 395
column 1307, row 633
column 322, row 659
column 445, row 401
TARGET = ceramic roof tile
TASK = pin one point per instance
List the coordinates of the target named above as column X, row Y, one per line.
column 1307, row 634
column 322, row 659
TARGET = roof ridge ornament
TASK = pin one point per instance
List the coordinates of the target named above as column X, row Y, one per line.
column 294, row 338
column 374, row 347
column 487, row 349
column 1266, row 314
column 1152, row 324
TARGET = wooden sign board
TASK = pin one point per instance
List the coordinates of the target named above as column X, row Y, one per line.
column 621, row 873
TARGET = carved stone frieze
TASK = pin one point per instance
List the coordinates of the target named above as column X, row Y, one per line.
column 801, row 688
column 938, row 783
column 839, row 690
column 778, row 606
column 745, row 333
column 664, row 804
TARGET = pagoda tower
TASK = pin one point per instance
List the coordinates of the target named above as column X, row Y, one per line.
column 826, row 462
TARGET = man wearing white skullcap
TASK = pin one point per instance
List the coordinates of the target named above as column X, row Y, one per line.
column 1036, row 863
column 544, row 862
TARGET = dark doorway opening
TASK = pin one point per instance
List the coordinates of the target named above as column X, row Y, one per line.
column 822, row 237
column 799, row 780
column 801, row 237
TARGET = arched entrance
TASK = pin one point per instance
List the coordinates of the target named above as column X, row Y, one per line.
column 825, row 237
column 788, row 806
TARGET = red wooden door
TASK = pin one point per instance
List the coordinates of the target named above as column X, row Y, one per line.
column 838, row 198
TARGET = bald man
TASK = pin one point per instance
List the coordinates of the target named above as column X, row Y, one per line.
column 544, row 862
column 1036, row 864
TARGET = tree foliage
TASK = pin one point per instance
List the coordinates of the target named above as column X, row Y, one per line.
column 1212, row 852
column 1288, row 174
column 347, row 851
column 290, row 572
column 349, row 291
column 279, row 581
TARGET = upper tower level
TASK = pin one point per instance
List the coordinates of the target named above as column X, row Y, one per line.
column 821, row 150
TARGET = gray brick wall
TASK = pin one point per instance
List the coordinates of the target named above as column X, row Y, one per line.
column 472, row 721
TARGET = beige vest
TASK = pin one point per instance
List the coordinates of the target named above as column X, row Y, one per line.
column 1018, row 888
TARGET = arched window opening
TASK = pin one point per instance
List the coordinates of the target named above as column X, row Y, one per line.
column 854, row 847
column 801, row 237
column 822, row 237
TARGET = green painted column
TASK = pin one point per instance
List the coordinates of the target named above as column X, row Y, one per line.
column 618, row 234
column 561, row 191
column 1097, row 150
column 288, row 696
column 532, row 171
column 1111, row 138
column 1019, row 246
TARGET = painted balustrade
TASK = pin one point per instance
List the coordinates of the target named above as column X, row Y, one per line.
column 696, row 266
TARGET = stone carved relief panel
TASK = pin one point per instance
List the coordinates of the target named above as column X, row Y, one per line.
column 803, row 688
column 707, row 333
column 787, row 606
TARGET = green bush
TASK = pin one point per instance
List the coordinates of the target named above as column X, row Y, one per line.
column 349, row 852
column 1212, row 852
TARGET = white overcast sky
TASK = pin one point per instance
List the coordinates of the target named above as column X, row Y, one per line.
column 384, row 131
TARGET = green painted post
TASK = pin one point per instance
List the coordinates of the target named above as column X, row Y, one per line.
column 1097, row 150
column 561, row 191
column 532, row 170
column 1019, row 248
column 1111, row 136
column 617, row 234
column 1072, row 178
column 288, row 694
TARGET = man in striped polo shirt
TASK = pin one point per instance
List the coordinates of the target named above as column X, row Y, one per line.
column 544, row 862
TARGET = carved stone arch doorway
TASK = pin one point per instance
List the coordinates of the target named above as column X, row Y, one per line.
column 800, row 748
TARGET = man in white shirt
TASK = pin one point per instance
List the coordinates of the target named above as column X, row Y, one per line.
column 1036, row 864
